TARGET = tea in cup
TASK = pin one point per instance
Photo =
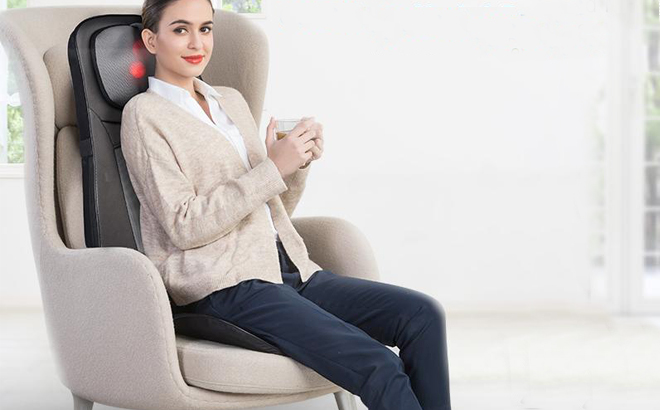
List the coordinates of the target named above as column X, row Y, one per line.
column 283, row 127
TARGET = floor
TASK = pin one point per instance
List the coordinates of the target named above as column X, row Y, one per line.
column 531, row 360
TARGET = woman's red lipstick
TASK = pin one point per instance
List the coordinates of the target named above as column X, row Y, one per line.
column 194, row 59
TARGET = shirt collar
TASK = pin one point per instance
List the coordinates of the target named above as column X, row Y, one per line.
column 178, row 94
column 205, row 88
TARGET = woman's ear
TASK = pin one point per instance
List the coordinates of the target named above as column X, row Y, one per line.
column 148, row 38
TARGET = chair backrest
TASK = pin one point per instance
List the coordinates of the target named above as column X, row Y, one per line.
column 36, row 40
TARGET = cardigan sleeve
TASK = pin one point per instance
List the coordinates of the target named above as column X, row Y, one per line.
column 191, row 220
column 296, row 183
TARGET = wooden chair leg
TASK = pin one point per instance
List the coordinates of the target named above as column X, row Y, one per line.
column 81, row 404
column 345, row 400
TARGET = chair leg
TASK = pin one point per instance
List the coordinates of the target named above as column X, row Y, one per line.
column 81, row 404
column 345, row 400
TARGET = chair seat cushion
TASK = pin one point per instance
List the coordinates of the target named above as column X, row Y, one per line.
column 227, row 368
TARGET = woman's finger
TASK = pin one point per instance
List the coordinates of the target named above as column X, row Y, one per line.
column 319, row 130
column 316, row 153
column 270, row 131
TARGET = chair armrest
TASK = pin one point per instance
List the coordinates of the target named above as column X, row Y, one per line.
column 111, row 329
column 338, row 246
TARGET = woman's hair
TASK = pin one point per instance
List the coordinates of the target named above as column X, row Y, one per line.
column 152, row 11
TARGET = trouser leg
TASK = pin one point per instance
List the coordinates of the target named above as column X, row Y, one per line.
column 395, row 316
column 339, row 351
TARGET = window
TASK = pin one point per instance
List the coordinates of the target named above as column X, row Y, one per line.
column 651, row 160
column 11, row 117
column 598, row 215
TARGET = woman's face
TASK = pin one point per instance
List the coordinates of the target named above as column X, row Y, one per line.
column 184, row 30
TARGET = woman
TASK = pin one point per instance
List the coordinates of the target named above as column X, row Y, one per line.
column 215, row 219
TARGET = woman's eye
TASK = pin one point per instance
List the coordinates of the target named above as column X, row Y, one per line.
column 177, row 30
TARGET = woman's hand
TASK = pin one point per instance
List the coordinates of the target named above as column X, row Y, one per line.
column 317, row 149
column 294, row 150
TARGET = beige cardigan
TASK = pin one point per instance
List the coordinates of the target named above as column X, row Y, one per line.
column 201, row 215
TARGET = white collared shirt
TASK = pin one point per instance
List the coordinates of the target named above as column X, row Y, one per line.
column 221, row 121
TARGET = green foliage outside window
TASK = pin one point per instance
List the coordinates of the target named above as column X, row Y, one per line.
column 242, row 6
column 652, row 149
column 651, row 15
column 14, row 4
column 15, row 151
column 653, row 94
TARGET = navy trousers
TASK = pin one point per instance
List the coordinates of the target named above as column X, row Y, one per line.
column 339, row 326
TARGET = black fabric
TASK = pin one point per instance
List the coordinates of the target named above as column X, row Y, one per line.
column 121, row 62
column 101, row 50
column 206, row 327
column 286, row 264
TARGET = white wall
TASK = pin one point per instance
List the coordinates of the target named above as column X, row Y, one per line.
column 458, row 139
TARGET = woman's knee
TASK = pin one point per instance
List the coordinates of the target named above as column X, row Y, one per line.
column 430, row 309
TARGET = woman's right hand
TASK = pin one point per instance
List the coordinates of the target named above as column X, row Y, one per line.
column 294, row 150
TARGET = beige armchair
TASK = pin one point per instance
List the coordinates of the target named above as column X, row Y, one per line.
column 106, row 309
